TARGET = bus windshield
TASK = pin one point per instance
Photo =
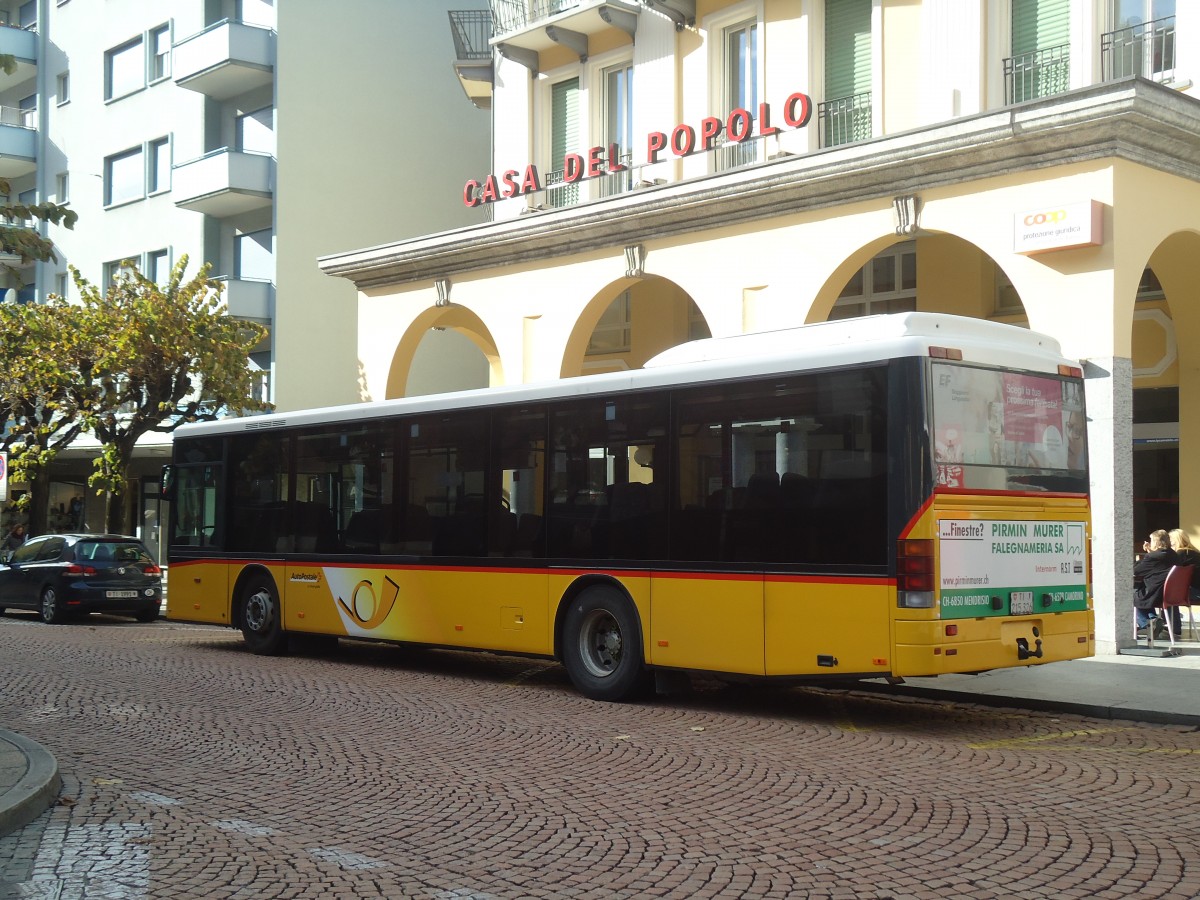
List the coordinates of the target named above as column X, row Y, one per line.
column 1005, row 430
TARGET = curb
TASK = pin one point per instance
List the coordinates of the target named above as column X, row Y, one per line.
column 1090, row 710
column 35, row 790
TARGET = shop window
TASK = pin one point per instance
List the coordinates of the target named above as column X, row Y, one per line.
column 886, row 284
column 613, row 333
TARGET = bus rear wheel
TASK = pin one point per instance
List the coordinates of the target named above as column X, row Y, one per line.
column 262, row 627
column 602, row 645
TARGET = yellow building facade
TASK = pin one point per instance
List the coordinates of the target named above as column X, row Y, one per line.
column 679, row 169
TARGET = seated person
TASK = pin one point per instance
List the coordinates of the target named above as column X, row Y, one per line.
column 1149, row 575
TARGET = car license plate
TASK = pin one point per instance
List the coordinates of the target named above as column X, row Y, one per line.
column 119, row 594
column 1020, row 603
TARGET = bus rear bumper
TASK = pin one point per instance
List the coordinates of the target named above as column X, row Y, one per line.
column 976, row 645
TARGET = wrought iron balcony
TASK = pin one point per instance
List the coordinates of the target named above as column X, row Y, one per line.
column 471, row 30
column 845, row 119
column 1039, row 73
column 1147, row 49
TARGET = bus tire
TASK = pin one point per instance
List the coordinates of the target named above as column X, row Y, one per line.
column 262, row 627
column 602, row 645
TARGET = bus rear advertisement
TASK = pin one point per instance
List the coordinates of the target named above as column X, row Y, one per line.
column 892, row 496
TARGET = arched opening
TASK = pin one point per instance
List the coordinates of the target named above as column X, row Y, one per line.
column 445, row 349
column 628, row 322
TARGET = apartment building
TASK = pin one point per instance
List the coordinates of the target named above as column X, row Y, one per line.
column 251, row 134
column 665, row 169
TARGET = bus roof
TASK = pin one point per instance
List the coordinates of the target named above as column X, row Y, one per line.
column 822, row 345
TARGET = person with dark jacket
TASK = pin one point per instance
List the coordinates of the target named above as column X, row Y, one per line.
column 1149, row 575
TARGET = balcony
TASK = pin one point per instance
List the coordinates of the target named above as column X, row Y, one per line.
column 1147, row 50
column 471, row 30
column 225, row 59
column 845, row 120
column 21, row 44
column 225, row 183
column 1039, row 73
column 249, row 298
column 525, row 28
column 18, row 141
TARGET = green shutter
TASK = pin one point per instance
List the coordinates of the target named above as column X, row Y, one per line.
column 847, row 48
column 1040, row 25
column 564, row 121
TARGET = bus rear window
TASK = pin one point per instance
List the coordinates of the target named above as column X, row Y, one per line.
column 1005, row 430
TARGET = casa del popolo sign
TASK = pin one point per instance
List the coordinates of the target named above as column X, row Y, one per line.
column 683, row 140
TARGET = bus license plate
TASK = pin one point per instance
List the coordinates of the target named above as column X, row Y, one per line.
column 120, row 594
column 1020, row 603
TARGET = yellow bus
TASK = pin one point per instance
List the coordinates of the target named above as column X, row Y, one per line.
column 890, row 496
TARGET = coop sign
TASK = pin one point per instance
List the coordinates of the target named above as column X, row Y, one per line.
column 1059, row 227
column 682, row 140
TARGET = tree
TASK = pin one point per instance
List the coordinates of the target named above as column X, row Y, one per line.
column 44, row 370
column 23, row 242
column 165, row 355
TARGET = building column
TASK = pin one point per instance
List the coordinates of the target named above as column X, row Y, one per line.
column 1108, row 385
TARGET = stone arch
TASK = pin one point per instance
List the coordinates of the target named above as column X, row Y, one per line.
column 954, row 275
column 652, row 331
column 459, row 318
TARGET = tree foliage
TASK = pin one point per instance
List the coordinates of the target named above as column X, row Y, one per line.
column 163, row 355
column 44, row 379
column 25, row 243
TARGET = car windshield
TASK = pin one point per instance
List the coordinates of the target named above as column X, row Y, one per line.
column 112, row 551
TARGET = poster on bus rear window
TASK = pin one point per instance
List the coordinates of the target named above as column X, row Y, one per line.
column 989, row 567
column 988, row 417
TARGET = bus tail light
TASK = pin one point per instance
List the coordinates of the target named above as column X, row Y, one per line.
column 945, row 353
column 914, row 574
column 1070, row 371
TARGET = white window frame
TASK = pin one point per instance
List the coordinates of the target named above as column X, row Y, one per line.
column 112, row 54
column 62, row 187
column 139, row 150
column 62, row 87
column 152, row 172
column 154, row 56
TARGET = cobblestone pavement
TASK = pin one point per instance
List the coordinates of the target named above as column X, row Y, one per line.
column 193, row 769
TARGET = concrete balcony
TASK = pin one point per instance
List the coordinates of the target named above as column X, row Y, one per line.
column 22, row 46
column 249, row 298
column 525, row 28
column 471, row 31
column 18, row 141
column 225, row 59
column 225, row 183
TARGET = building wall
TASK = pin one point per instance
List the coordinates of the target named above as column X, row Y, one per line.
column 375, row 141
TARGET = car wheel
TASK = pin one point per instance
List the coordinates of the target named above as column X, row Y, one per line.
column 51, row 608
column 147, row 615
column 261, row 625
column 602, row 645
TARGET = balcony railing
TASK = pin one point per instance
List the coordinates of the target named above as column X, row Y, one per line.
column 735, row 154
column 845, row 120
column 1040, row 73
column 1147, row 50
column 471, row 30
column 516, row 15
column 11, row 115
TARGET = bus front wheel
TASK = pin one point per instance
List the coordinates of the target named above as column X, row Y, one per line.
column 262, row 628
column 602, row 645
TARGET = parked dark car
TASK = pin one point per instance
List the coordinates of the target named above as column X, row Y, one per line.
column 62, row 575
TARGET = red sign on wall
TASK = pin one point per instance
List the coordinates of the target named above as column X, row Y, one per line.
column 683, row 140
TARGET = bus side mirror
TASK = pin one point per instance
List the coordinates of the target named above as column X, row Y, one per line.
column 166, row 489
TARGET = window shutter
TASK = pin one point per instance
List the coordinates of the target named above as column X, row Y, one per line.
column 1040, row 25
column 564, row 121
column 847, row 48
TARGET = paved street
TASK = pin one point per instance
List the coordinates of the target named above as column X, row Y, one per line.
column 193, row 769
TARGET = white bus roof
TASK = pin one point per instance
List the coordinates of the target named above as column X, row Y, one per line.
column 845, row 342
